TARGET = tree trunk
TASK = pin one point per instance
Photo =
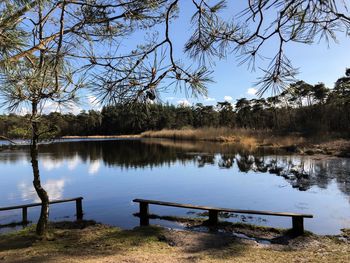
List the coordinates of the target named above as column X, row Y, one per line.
column 41, row 228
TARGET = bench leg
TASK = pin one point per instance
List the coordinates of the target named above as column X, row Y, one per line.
column 24, row 215
column 79, row 208
column 144, row 219
column 298, row 225
column 213, row 217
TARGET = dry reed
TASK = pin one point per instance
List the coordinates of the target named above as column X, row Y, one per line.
column 252, row 138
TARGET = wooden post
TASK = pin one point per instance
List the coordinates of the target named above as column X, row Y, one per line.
column 24, row 215
column 79, row 208
column 298, row 225
column 144, row 219
column 213, row 217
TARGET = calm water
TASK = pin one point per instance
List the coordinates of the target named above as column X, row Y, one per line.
column 109, row 174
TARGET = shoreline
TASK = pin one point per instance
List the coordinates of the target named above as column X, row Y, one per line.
column 103, row 243
column 248, row 139
column 253, row 140
column 126, row 136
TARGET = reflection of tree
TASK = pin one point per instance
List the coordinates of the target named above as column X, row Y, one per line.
column 226, row 161
column 245, row 162
column 122, row 153
column 204, row 159
column 260, row 165
column 301, row 172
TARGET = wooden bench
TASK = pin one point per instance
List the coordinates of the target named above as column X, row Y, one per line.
column 297, row 219
column 78, row 202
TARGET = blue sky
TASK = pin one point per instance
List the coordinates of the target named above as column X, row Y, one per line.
column 317, row 63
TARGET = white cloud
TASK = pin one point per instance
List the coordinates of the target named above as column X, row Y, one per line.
column 228, row 98
column 209, row 99
column 51, row 106
column 93, row 103
column 251, row 91
column 75, row 109
column 184, row 103
column 94, row 167
column 23, row 111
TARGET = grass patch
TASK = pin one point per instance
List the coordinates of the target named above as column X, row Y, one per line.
column 92, row 242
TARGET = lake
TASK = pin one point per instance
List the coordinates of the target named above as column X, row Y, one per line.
column 109, row 174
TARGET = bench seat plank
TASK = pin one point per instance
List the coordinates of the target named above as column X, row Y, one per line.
column 154, row 202
column 39, row 204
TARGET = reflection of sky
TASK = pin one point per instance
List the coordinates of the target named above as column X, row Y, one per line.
column 72, row 163
column 53, row 187
column 94, row 167
column 107, row 197
column 50, row 164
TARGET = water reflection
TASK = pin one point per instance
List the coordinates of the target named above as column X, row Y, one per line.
column 110, row 173
column 94, row 166
column 51, row 164
column 54, row 187
column 302, row 172
column 73, row 162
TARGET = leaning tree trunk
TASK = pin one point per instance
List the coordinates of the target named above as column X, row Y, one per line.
column 41, row 228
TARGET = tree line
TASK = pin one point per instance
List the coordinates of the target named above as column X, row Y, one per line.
column 302, row 107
